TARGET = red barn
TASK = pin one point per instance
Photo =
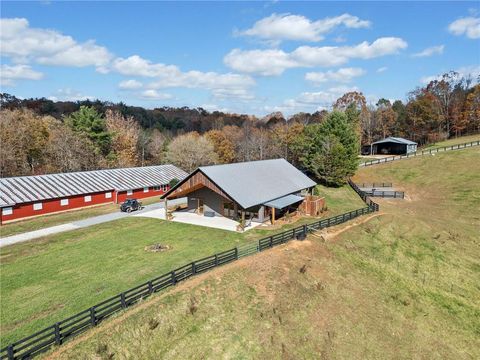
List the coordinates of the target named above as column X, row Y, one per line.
column 28, row 196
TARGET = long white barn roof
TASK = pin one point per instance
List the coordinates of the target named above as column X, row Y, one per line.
column 22, row 189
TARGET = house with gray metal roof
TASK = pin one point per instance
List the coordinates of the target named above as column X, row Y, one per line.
column 394, row 146
column 246, row 191
column 26, row 196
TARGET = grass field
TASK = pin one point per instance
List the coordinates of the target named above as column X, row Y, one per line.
column 63, row 218
column 46, row 280
column 453, row 141
column 399, row 284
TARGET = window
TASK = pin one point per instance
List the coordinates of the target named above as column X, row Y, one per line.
column 156, row 188
column 88, row 198
column 145, row 189
column 37, row 206
column 164, row 188
column 108, row 195
column 7, row 211
column 129, row 192
column 63, row 202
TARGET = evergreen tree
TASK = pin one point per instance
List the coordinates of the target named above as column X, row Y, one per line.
column 89, row 122
column 330, row 149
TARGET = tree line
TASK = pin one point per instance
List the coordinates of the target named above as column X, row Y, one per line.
column 41, row 136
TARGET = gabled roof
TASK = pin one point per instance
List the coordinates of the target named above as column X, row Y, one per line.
column 21, row 189
column 255, row 182
column 397, row 140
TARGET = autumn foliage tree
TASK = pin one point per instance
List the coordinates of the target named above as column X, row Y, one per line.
column 190, row 151
column 125, row 134
column 222, row 146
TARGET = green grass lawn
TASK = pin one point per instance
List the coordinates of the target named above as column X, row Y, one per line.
column 48, row 279
column 41, row 222
column 453, row 141
column 402, row 285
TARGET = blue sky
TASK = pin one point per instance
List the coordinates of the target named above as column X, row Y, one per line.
column 244, row 57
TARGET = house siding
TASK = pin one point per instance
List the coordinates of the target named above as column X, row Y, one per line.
column 211, row 201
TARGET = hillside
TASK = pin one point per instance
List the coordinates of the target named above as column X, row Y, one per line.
column 398, row 284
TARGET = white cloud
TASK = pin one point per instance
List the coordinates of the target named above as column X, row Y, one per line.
column 311, row 101
column 239, row 94
column 130, row 84
column 343, row 75
column 68, row 94
column 214, row 107
column 279, row 27
column 10, row 73
column 152, row 94
column 23, row 44
column 382, row 69
column 168, row 76
column 274, row 62
column 470, row 26
column 432, row 50
column 465, row 71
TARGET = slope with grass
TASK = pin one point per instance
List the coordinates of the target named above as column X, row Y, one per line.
column 453, row 141
column 402, row 283
column 49, row 279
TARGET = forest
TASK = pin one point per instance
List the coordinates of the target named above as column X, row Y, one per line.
column 41, row 136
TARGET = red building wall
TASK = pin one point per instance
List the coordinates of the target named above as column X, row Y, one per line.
column 26, row 210
column 139, row 194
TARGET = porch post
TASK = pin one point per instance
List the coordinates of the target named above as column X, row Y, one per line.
column 243, row 220
column 273, row 215
column 166, row 209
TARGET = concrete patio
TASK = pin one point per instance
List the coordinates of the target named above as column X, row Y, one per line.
column 218, row 222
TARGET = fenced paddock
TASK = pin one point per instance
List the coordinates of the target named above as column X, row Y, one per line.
column 420, row 153
column 66, row 329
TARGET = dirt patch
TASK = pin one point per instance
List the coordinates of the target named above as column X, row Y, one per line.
column 157, row 248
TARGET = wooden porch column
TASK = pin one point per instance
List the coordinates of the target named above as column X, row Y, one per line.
column 243, row 219
column 273, row 215
column 166, row 209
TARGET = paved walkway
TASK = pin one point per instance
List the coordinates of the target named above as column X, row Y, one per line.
column 217, row 222
column 14, row 239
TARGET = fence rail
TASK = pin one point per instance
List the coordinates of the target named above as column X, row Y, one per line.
column 420, row 153
column 376, row 193
column 375, row 185
column 66, row 329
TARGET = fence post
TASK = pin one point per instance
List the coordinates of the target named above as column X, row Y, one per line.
column 193, row 268
column 216, row 260
column 122, row 300
column 150, row 287
column 174, row 280
column 236, row 253
column 10, row 352
column 305, row 231
column 93, row 320
column 58, row 338
column 271, row 241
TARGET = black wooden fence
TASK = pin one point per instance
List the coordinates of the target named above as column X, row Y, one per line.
column 66, row 329
column 420, row 153
column 375, row 185
column 375, row 192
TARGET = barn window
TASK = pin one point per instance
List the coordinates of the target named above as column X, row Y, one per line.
column 145, row 189
column 164, row 188
column 156, row 188
column 37, row 206
column 7, row 211
column 88, row 198
column 63, row 202
column 129, row 192
column 108, row 195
